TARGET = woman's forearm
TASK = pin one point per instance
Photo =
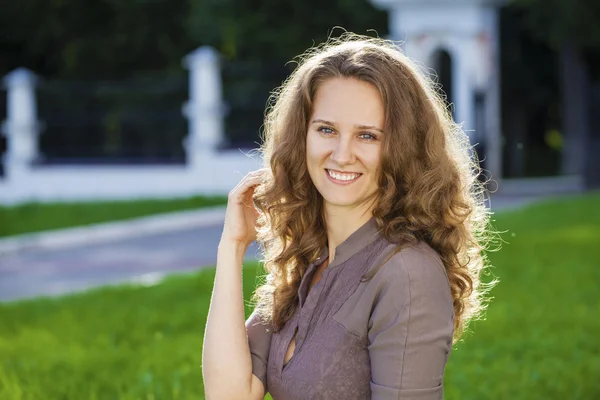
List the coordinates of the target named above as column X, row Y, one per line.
column 226, row 361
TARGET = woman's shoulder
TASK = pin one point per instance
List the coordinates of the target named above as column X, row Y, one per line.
column 413, row 277
column 418, row 260
column 417, row 268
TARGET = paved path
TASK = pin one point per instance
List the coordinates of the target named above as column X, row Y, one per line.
column 144, row 259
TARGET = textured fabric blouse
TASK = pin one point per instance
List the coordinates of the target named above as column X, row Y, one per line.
column 386, row 338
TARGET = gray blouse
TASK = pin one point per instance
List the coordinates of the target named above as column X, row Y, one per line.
column 387, row 338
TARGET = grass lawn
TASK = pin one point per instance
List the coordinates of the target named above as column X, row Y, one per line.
column 34, row 217
column 539, row 339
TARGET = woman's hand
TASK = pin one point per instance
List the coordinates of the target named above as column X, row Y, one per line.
column 241, row 215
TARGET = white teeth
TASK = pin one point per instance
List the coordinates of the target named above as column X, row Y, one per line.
column 342, row 177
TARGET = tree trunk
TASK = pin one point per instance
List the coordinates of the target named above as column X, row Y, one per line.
column 575, row 83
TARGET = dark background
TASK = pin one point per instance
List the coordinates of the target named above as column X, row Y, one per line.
column 112, row 82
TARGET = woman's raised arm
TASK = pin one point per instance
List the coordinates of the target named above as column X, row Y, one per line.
column 226, row 359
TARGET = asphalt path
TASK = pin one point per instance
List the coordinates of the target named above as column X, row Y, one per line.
column 138, row 259
column 142, row 259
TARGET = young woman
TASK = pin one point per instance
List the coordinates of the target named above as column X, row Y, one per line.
column 372, row 222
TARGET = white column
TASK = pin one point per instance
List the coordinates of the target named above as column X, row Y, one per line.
column 204, row 110
column 21, row 126
column 463, row 94
column 490, row 47
column 475, row 57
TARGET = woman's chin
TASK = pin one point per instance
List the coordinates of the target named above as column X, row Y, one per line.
column 341, row 201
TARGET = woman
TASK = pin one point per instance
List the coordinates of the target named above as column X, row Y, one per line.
column 372, row 221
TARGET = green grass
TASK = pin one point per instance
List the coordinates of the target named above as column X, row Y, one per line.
column 34, row 217
column 539, row 339
column 126, row 342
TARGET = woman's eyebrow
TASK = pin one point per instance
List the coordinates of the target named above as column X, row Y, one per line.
column 322, row 121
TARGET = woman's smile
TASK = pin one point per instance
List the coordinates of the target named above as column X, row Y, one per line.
column 340, row 178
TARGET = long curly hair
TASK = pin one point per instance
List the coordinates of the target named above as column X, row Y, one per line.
column 428, row 188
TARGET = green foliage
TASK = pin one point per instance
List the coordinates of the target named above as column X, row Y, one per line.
column 128, row 41
column 34, row 217
column 257, row 38
column 553, row 21
column 103, row 39
column 278, row 30
column 538, row 341
column 93, row 39
column 531, row 68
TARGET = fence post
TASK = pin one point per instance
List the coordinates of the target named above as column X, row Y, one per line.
column 21, row 126
column 204, row 110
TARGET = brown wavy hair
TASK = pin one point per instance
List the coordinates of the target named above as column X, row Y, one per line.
column 428, row 185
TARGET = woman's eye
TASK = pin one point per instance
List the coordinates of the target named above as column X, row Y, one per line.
column 368, row 136
column 325, row 130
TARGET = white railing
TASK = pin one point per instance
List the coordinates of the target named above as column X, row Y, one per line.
column 207, row 170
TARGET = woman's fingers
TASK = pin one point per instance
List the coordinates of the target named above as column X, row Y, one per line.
column 241, row 214
column 252, row 179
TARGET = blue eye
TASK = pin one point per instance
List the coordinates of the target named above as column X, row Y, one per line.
column 326, row 130
column 368, row 136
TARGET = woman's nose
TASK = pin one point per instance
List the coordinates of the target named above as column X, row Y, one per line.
column 342, row 153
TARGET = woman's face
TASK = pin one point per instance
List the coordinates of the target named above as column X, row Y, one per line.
column 343, row 142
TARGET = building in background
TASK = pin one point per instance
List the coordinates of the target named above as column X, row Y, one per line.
column 459, row 40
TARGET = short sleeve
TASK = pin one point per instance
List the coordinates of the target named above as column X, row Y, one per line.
column 259, row 341
column 411, row 328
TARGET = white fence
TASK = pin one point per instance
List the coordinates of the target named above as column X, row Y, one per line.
column 206, row 171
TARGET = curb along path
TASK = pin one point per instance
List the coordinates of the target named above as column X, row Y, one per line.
column 112, row 231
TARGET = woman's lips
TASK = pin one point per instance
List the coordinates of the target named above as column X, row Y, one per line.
column 340, row 182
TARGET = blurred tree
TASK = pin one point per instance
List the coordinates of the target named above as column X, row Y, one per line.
column 135, row 43
column 274, row 29
column 530, row 98
column 257, row 38
column 92, row 39
column 572, row 28
column 114, row 38
column 106, row 66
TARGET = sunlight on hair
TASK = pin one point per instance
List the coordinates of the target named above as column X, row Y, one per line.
column 429, row 189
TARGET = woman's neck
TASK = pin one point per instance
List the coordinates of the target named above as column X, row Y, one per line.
column 341, row 224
